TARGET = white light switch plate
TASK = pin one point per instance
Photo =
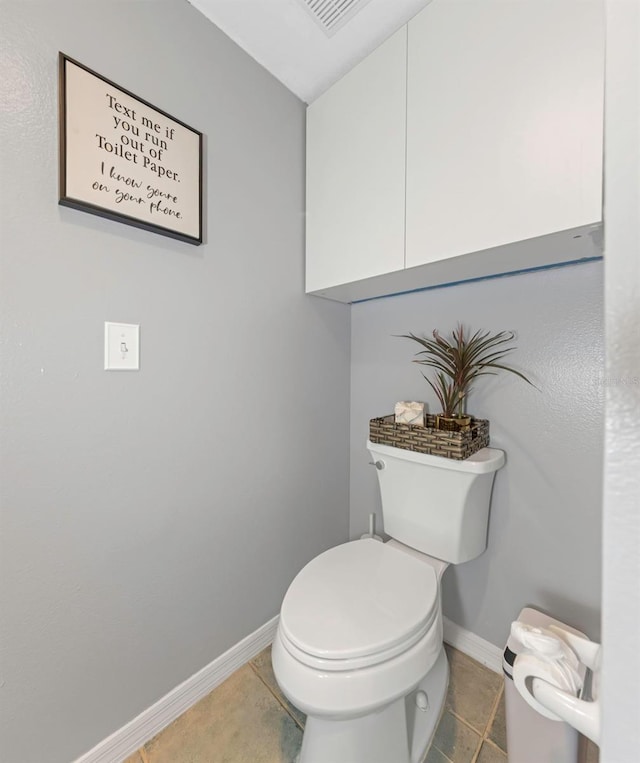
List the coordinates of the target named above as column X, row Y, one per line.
column 121, row 347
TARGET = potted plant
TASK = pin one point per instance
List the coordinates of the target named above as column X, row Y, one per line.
column 458, row 361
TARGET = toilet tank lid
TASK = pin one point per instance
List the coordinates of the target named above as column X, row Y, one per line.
column 482, row 461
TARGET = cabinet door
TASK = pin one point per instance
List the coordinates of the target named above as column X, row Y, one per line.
column 356, row 134
column 504, row 123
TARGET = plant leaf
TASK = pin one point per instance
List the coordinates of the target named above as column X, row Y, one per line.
column 460, row 359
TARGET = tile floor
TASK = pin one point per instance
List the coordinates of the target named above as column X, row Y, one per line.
column 247, row 720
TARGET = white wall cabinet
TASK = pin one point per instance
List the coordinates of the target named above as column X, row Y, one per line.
column 504, row 123
column 356, row 135
column 496, row 168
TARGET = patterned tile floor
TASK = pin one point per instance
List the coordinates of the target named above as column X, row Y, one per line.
column 247, row 720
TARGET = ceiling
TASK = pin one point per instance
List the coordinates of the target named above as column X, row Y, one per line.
column 288, row 41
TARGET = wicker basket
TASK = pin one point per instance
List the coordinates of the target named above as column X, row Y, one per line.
column 428, row 439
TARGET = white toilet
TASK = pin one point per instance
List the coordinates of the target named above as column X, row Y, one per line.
column 359, row 643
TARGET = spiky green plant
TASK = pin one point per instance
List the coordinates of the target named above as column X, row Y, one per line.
column 460, row 360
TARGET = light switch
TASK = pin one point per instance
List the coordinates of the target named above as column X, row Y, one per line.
column 121, row 347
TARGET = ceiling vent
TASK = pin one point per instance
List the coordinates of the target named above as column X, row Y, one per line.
column 332, row 15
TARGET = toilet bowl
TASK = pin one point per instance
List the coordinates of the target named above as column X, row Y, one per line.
column 359, row 627
column 359, row 643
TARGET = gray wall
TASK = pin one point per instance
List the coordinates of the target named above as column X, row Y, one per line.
column 544, row 534
column 151, row 520
column 620, row 694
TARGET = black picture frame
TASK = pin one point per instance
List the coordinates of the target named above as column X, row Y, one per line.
column 124, row 159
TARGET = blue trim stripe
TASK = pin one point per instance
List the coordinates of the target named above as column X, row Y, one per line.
column 482, row 278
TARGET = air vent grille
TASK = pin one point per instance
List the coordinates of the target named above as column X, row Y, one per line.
column 332, row 15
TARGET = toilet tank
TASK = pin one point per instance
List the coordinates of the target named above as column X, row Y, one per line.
column 437, row 505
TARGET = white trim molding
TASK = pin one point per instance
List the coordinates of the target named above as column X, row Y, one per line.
column 145, row 726
column 473, row 646
column 151, row 721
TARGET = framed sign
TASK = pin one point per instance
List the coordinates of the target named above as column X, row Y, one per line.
column 124, row 159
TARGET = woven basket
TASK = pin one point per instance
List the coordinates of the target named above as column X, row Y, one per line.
column 428, row 439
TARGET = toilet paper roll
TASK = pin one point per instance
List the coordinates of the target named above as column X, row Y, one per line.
column 409, row 413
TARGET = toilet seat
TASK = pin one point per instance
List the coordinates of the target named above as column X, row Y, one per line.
column 357, row 605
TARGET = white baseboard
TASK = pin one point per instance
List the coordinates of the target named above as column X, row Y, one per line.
column 151, row 721
column 483, row 651
column 141, row 729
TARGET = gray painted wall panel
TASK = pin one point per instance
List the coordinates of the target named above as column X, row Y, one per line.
column 620, row 693
column 544, row 533
column 151, row 520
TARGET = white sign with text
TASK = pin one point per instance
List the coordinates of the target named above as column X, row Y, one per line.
column 123, row 159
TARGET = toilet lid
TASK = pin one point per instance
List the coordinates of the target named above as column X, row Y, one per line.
column 359, row 599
